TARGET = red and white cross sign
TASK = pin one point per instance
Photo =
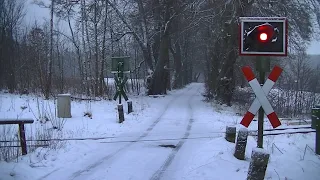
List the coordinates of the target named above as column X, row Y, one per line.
column 261, row 99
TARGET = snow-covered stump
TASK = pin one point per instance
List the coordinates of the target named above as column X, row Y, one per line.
column 64, row 105
column 258, row 164
column 241, row 144
column 121, row 113
column 231, row 134
column 130, row 107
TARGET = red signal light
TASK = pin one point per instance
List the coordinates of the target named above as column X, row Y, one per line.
column 265, row 32
column 263, row 36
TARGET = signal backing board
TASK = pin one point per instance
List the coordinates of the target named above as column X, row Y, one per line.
column 124, row 61
column 263, row 36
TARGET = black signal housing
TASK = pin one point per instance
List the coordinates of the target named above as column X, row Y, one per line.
column 263, row 36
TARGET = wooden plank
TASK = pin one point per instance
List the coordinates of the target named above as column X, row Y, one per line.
column 16, row 121
column 45, row 145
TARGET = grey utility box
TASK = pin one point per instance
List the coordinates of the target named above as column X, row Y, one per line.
column 315, row 117
column 64, row 106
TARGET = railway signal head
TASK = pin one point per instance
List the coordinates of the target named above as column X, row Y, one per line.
column 260, row 37
column 263, row 36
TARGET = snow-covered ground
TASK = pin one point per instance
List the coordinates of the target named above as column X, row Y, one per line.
column 191, row 128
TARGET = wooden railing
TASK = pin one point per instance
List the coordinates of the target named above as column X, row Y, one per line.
column 22, row 134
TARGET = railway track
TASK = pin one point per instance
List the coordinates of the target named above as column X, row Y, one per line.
column 304, row 129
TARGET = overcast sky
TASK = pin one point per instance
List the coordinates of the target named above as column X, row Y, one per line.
column 34, row 12
column 314, row 48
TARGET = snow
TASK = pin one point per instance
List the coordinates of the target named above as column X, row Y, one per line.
column 111, row 81
column 243, row 130
column 259, row 151
column 64, row 94
column 132, row 150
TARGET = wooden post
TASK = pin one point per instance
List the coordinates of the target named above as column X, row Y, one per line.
column 231, row 134
column 130, row 107
column 241, row 144
column 23, row 142
column 121, row 113
column 258, row 164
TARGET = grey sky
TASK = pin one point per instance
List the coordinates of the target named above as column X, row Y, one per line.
column 314, row 48
column 34, row 12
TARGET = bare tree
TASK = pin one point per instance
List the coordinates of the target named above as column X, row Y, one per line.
column 11, row 13
column 172, row 42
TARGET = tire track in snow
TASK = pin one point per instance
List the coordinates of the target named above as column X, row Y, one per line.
column 146, row 132
column 78, row 173
column 159, row 173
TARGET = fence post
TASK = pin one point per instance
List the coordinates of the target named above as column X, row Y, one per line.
column 130, row 107
column 23, row 142
column 241, row 144
column 121, row 113
column 231, row 134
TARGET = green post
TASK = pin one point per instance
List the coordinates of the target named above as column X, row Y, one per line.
column 318, row 141
column 263, row 65
column 119, row 98
column 315, row 116
column 260, row 116
column 120, row 76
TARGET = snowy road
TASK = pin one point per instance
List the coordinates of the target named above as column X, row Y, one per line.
column 143, row 158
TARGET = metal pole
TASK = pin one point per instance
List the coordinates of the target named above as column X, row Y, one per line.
column 315, row 116
column 261, row 111
column 119, row 98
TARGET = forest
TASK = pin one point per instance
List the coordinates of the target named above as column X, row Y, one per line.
column 171, row 43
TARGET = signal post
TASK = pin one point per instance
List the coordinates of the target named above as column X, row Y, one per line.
column 262, row 37
column 120, row 66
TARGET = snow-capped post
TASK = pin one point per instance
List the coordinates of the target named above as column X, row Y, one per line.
column 241, row 144
column 121, row 113
column 231, row 134
column 130, row 107
column 258, row 164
